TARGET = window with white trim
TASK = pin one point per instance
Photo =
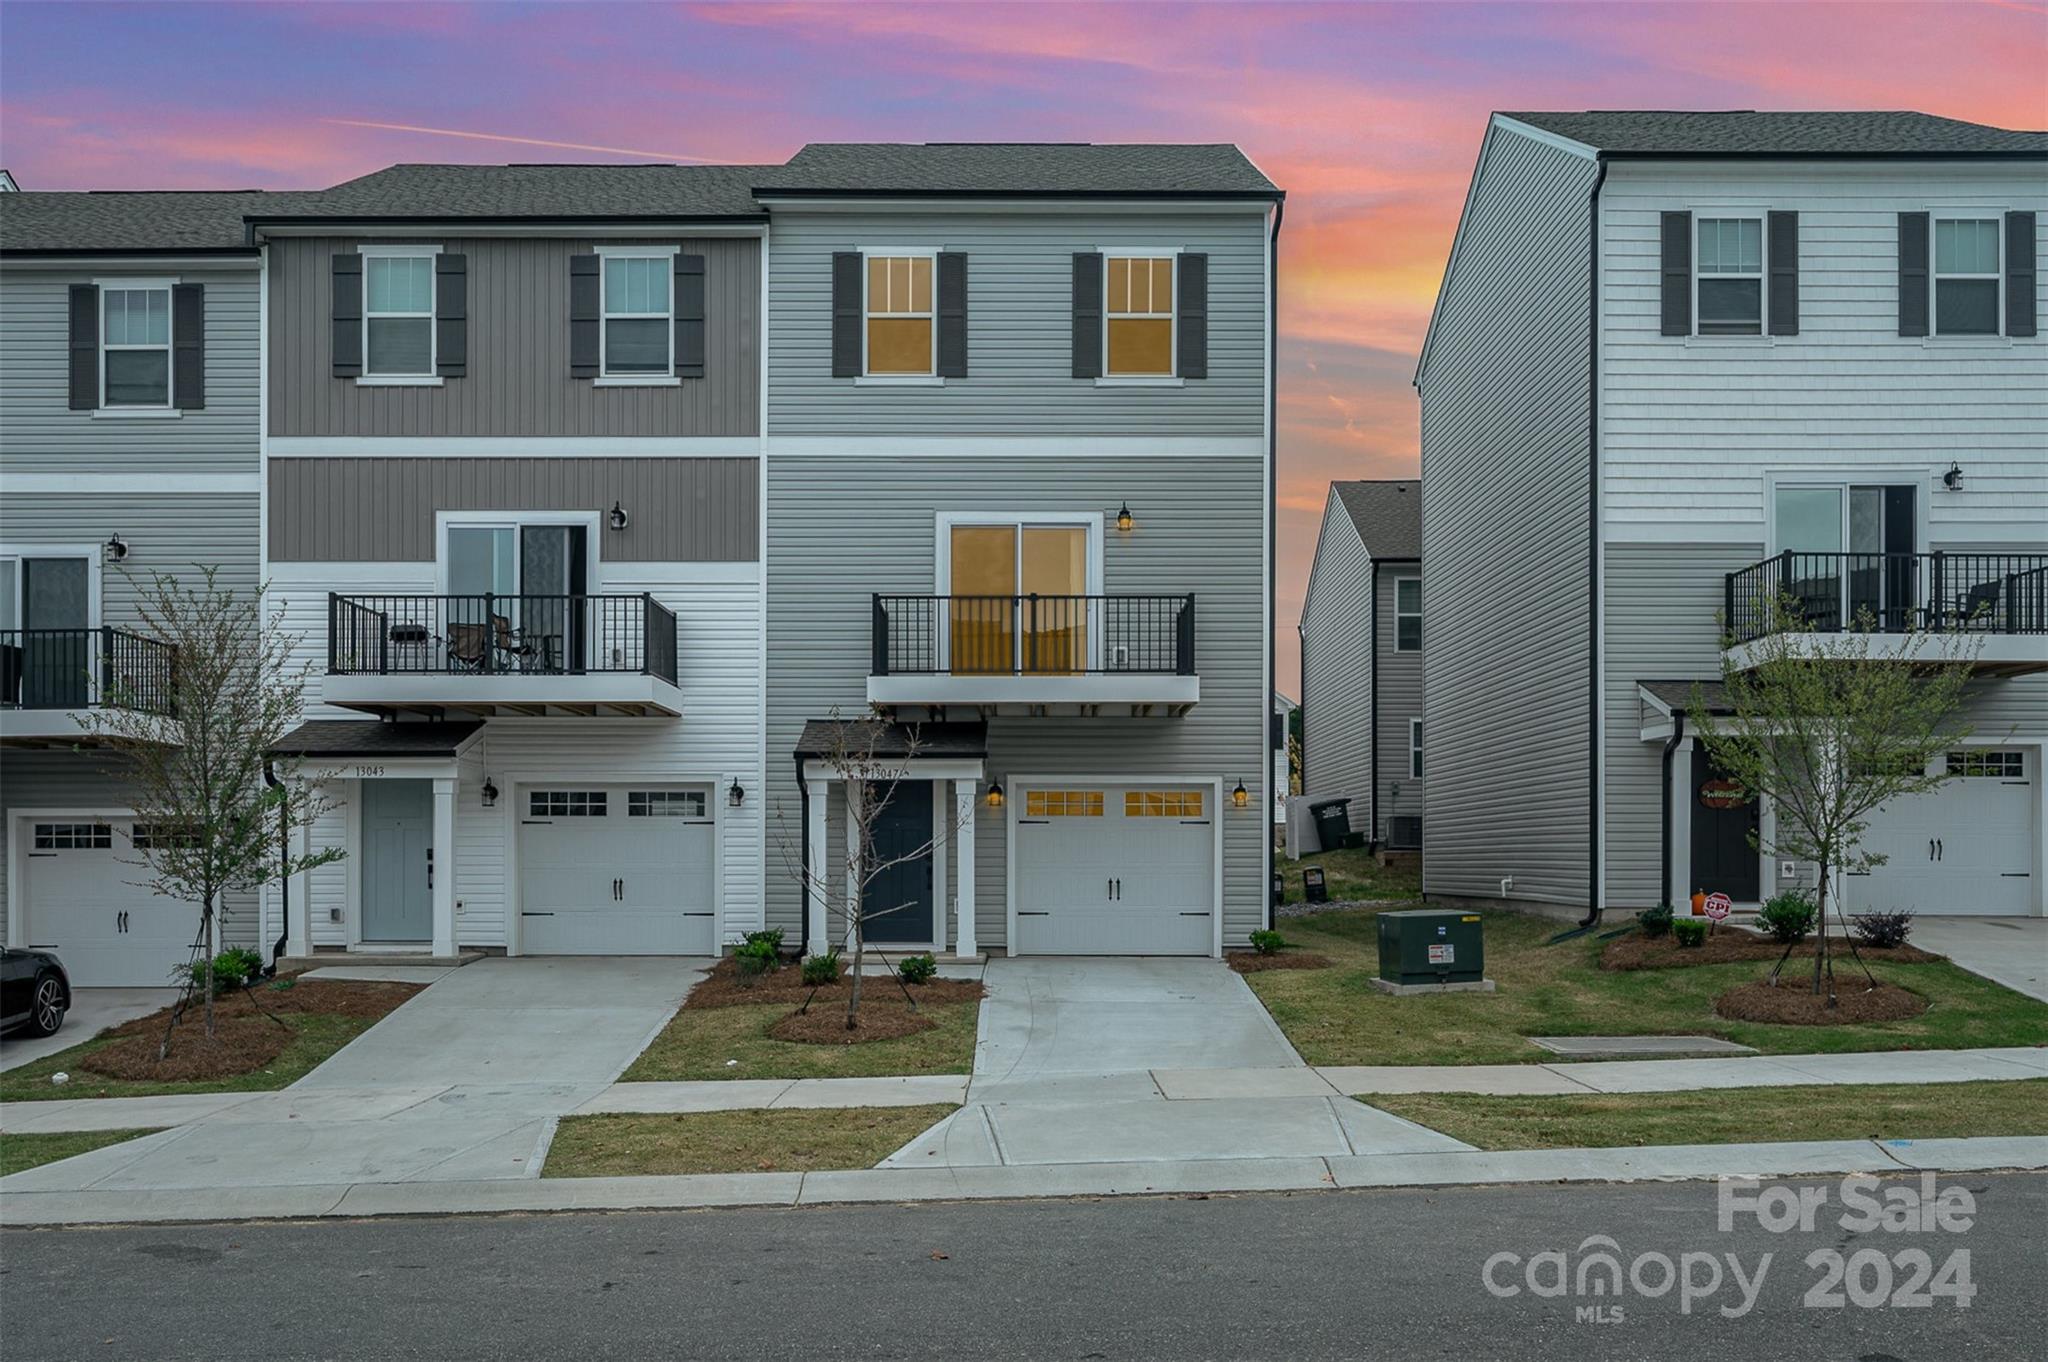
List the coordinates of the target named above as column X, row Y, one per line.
column 135, row 346
column 901, row 334
column 1407, row 614
column 1966, row 276
column 1730, row 276
column 1162, row 803
column 1415, row 749
column 74, row 837
column 398, row 315
column 1997, row 765
column 639, row 315
column 1138, row 316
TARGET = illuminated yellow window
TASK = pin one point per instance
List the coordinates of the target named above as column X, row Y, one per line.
column 900, row 314
column 1063, row 804
column 1162, row 803
column 1138, row 299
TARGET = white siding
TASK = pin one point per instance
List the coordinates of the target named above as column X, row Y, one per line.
column 1336, row 667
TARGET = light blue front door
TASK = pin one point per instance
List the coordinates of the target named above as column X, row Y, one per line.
column 398, row 858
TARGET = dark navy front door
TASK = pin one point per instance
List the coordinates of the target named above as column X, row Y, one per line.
column 896, row 908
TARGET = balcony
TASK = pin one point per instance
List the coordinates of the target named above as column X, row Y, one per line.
column 484, row 656
column 2000, row 599
column 48, row 676
column 1035, row 655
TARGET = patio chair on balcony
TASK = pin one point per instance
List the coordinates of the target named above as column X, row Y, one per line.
column 486, row 647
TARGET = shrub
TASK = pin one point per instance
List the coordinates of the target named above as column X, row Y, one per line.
column 1268, row 943
column 755, row 958
column 821, row 969
column 233, row 968
column 1655, row 921
column 1788, row 917
column 773, row 939
column 1881, row 931
column 917, row 969
column 1690, row 931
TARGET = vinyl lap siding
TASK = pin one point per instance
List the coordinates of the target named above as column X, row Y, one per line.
column 176, row 534
column 1504, row 532
column 1336, row 668
column 1400, row 699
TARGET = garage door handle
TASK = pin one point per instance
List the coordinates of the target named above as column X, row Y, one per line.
column 1940, row 850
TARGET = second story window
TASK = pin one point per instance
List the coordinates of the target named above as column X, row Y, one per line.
column 135, row 357
column 1731, row 277
column 638, row 319
column 1407, row 614
column 900, row 334
column 398, row 315
column 1138, row 308
column 1966, row 276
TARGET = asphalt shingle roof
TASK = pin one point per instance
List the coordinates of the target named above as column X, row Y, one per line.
column 1018, row 168
column 1388, row 515
column 376, row 738
column 1749, row 132
column 127, row 221
column 1677, row 695
column 858, row 738
column 545, row 191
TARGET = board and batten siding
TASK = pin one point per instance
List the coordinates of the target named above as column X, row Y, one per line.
column 1692, row 426
column 1505, row 535
column 1400, row 700
column 175, row 533
column 39, row 433
column 1019, row 327
column 518, row 381
column 1195, row 534
column 1336, row 667
column 353, row 510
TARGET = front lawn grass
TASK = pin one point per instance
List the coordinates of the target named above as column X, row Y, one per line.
column 698, row 1042
column 792, row 1140
column 1351, row 875
column 1875, row 1111
column 18, row 1152
column 1333, row 1016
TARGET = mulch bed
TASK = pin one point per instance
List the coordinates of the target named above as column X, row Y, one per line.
column 1794, row 1003
column 825, row 1023
column 244, row 1039
column 724, row 987
column 1251, row 962
column 1726, row 945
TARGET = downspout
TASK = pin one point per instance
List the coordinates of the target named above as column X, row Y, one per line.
column 1372, row 715
column 1670, row 749
column 284, row 861
column 1272, row 536
column 803, row 804
column 1593, row 867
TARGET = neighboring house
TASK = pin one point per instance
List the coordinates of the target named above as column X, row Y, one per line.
column 1284, row 710
column 1361, row 660
column 128, row 446
column 1680, row 361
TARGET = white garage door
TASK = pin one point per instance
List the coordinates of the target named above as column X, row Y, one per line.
column 109, row 932
column 1119, row 870
column 617, row 870
column 1965, row 848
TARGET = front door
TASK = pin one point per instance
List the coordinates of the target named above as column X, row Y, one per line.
column 398, row 860
column 896, row 902
column 1724, row 820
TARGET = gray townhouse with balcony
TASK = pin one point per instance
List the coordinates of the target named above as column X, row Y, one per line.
column 129, row 397
column 1681, row 362
column 1361, row 665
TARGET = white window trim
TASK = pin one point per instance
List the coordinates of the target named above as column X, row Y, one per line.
column 1415, row 749
column 1937, row 216
column 1923, row 481
column 432, row 377
column 1400, row 614
column 169, row 411
column 942, row 573
column 605, row 377
column 1761, row 217
column 930, row 380
column 1171, row 378
column 93, row 554
column 445, row 521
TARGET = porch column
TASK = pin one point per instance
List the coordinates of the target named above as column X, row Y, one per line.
column 444, row 866
column 964, row 812
column 941, row 808
column 298, row 918
column 817, row 794
column 1684, row 784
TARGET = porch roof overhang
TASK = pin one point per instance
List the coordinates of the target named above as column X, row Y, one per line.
column 318, row 739
column 936, row 751
column 1666, row 703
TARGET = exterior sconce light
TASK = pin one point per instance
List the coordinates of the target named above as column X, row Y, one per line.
column 490, row 793
column 1240, row 796
column 1953, row 479
column 995, row 794
column 117, row 549
column 737, row 795
column 1124, row 519
column 618, row 516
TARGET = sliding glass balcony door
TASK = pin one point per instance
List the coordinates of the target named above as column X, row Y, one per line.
column 1019, row 599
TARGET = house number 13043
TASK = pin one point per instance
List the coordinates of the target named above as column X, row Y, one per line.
column 368, row 772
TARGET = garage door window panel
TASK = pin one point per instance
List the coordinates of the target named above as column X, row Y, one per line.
column 74, row 837
column 1993, row 765
column 666, row 804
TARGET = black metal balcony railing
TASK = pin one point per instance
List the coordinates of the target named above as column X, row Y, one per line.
column 493, row 635
column 1034, row 635
column 1989, row 593
column 82, row 668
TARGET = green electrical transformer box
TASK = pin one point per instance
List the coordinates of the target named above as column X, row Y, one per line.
column 1431, row 946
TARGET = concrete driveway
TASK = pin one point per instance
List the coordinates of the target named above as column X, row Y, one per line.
column 93, row 1010
column 2006, row 950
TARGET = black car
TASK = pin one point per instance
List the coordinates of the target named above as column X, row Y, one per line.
column 35, row 993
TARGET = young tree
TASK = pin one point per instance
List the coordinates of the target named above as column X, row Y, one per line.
column 192, row 720
column 1829, row 728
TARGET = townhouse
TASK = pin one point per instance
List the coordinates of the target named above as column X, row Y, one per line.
column 1679, row 363
column 1361, row 662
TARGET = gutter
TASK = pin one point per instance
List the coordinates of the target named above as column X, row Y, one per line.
column 1372, row 717
column 284, row 858
column 1670, row 749
column 1593, row 866
column 803, row 802
column 1272, row 541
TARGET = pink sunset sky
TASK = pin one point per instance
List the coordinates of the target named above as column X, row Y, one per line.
column 1369, row 115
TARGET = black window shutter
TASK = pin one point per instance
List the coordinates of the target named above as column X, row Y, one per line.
column 451, row 315
column 846, row 302
column 1191, row 316
column 1783, row 245
column 85, row 347
column 585, row 315
column 1912, row 274
column 347, row 312
column 188, row 347
column 689, row 306
column 1087, row 314
column 2019, row 274
column 952, row 301
column 1676, row 310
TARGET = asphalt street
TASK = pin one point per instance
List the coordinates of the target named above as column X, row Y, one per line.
column 1383, row 1274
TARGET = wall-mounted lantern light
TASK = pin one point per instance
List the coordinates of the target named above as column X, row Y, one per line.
column 1953, row 479
column 117, row 549
column 1240, row 796
column 618, row 517
column 995, row 794
column 1124, row 519
column 490, row 793
column 737, row 795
